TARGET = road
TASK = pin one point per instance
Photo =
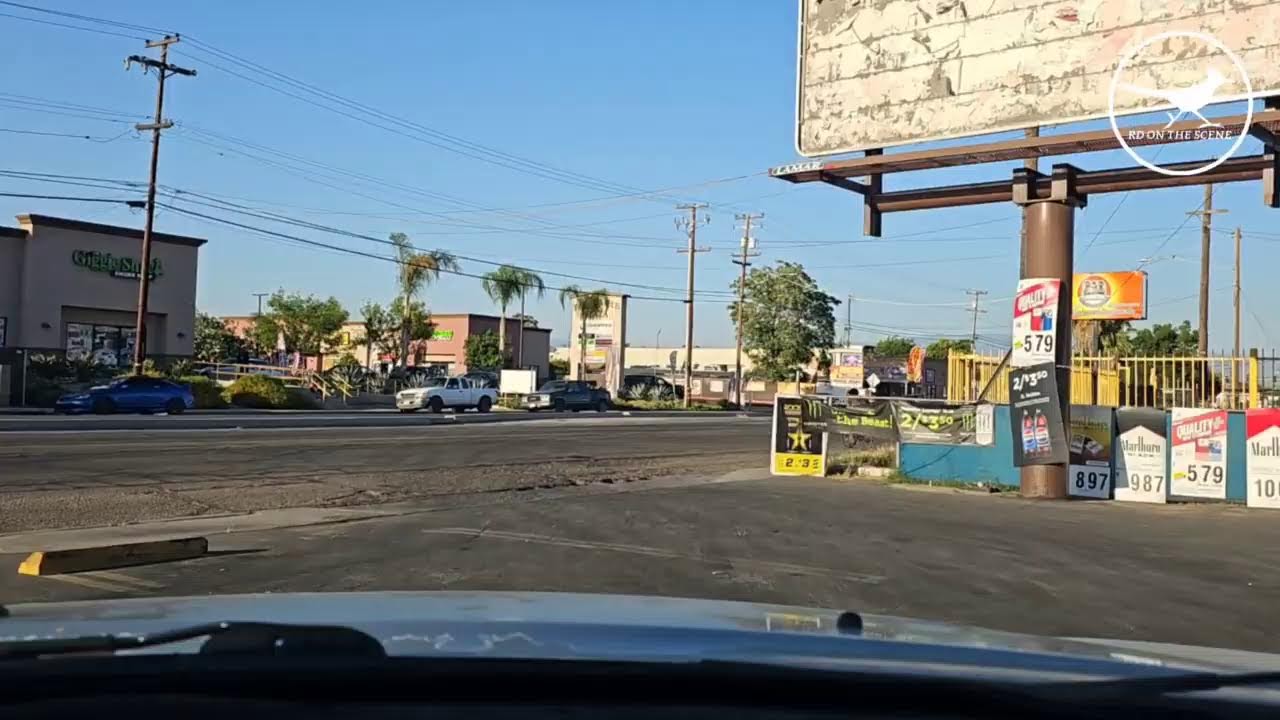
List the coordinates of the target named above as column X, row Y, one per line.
column 62, row 479
column 1188, row 574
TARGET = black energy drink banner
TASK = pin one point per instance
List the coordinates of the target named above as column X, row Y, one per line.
column 1035, row 417
column 798, row 448
column 1089, row 467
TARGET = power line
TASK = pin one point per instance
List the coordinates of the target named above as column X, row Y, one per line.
column 64, row 197
column 72, row 27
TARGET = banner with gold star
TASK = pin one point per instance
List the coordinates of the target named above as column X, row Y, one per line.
column 799, row 448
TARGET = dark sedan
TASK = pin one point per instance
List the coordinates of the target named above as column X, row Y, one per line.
column 134, row 394
column 561, row 395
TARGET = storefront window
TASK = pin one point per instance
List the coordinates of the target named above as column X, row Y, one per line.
column 107, row 345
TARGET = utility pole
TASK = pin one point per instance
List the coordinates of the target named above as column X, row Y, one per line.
column 259, row 296
column 690, row 226
column 748, row 251
column 1206, row 213
column 163, row 70
column 974, row 337
column 1235, row 354
column 848, row 320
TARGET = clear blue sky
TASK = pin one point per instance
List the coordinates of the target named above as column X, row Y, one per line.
column 648, row 95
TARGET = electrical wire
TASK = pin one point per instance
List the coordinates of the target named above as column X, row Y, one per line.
column 71, row 27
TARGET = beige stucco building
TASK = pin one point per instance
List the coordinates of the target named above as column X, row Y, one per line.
column 72, row 286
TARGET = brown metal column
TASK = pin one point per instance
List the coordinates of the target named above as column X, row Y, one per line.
column 1050, row 251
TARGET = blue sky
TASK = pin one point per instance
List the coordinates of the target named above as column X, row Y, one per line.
column 627, row 96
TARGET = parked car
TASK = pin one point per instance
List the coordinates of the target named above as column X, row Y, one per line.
column 456, row 392
column 133, row 394
column 561, row 395
column 650, row 387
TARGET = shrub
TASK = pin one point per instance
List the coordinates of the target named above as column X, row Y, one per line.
column 299, row 399
column 257, row 391
column 42, row 392
column 208, row 394
column 511, row 402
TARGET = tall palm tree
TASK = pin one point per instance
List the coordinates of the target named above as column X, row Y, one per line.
column 417, row 270
column 591, row 304
column 504, row 285
column 532, row 282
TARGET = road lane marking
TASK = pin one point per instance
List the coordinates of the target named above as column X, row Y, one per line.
column 87, row 580
column 777, row 567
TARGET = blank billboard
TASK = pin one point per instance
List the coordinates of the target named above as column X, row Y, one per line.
column 892, row 72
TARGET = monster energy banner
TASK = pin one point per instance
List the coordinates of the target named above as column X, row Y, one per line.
column 935, row 424
column 798, row 447
column 871, row 419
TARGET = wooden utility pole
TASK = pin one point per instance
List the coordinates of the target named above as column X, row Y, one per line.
column 848, row 320
column 1235, row 351
column 1206, row 213
column 690, row 226
column 748, row 251
column 974, row 337
column 163, row 71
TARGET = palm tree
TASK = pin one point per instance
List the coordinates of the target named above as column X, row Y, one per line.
column 502, row 286
column 591, row 304
column 417, row 270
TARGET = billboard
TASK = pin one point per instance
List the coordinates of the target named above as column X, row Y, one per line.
column 846, row 367
column 1109, row 296
column 894, row 72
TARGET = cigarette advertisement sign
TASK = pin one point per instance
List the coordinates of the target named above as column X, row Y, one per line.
column 1109, row 296
column 1089, row 471
column 1142, row 467
column 1035, row 419
column 1199, row 453
column 1035, row 320
column 1262, row 464
column 797, row 449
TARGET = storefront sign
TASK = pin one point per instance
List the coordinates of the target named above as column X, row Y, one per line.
column 1262, row 464
column 796, row 449
column 935, row 424
column 442, row 335
column 1035, row 419
column 1109, row 296
column 1089, row 471
column 1035, row 321
column 1142, row 468
column 121, row 267
column 846, row 368
column 1199, row 453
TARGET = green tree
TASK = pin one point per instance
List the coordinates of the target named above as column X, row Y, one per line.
column 380, row 332
column 1164, row 339
column 591, row 304
column 415, row 324
column 307, row 323
column 893, row 346
column 482, row 351
column 786, row 319
column 416, row 271
column 942, row 346
column 503, row 286
column 214, row 342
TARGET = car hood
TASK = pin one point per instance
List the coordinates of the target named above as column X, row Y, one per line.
column 621, row 627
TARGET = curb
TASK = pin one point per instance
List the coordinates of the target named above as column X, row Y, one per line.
column 105, row 557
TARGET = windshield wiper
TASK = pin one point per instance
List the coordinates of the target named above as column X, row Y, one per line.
column 225, row 638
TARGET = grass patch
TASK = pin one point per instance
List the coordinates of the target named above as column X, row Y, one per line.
column 846, row 462
column 643, row 405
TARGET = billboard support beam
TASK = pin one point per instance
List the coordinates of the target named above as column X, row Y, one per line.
column 872, row 225
column 1050, row 249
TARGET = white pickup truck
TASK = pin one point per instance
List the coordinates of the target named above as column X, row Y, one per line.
column 457, row 392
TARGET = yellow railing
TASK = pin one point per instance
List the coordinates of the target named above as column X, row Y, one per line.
column 1212, row 381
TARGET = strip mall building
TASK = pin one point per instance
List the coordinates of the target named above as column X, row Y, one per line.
column 69, row 286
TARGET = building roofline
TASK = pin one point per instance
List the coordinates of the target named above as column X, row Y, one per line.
column 86, row 226
column 12, row 232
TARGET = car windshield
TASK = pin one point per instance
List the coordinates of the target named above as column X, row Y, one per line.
column 951, row 311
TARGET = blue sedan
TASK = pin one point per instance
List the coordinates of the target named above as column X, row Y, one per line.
column 133, row 394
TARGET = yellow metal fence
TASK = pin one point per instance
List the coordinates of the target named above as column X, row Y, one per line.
column 1163, row 382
